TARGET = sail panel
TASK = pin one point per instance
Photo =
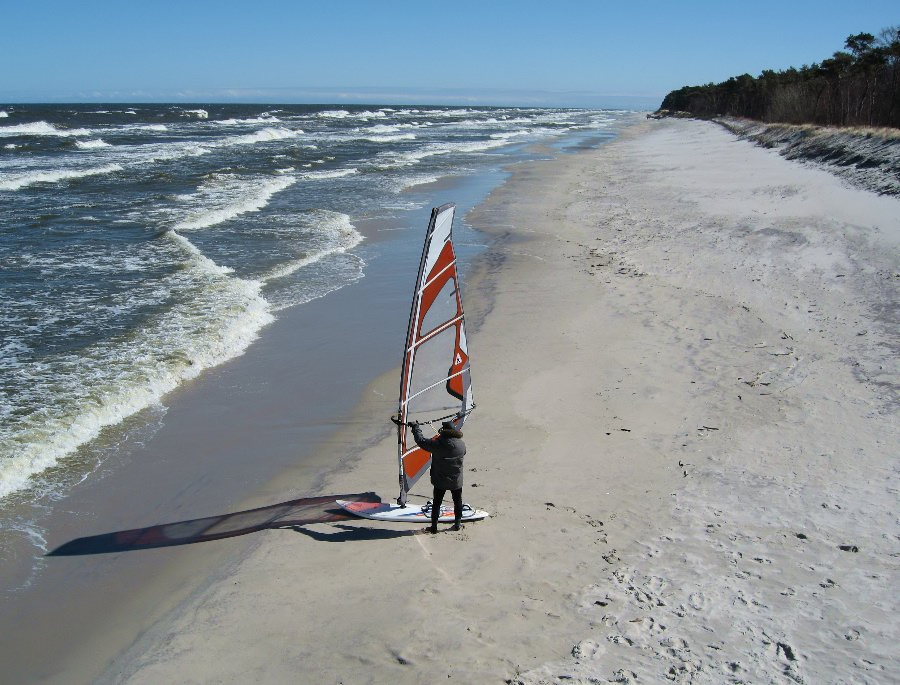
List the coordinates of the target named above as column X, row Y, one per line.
column 435, row 380
column 430, row 373
column 439, row 302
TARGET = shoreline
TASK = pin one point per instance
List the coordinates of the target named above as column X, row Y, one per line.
column 238, row 408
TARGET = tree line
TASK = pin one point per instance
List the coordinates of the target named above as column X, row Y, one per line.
column 858, row 86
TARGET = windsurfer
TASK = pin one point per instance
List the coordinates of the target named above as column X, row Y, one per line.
column 447, row 451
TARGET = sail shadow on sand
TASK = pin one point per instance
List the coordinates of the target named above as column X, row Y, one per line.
column 296, row 512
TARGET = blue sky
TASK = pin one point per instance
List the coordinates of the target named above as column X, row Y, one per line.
column 554, row 52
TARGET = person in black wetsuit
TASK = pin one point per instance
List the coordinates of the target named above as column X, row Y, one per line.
column 447, row 452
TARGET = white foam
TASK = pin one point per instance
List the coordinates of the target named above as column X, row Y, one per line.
column 199, row 113
column 145, row 127
column 23, row 180
column 407, row 182
column 168, row 351
column 200, row 260
column 340, row 235
column 3, row 114
column 264, row 118
column 263, row 136
column 155, row 152
column 323, row 175
column 113, row 111
column 449, row 113
column 91, row 144
column 111, row 263
column 385, row 128
column 226, row 196
column 507, row 135
column 41, row 128
column 391, row 138
column 395, row 160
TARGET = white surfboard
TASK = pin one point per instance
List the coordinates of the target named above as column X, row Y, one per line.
column 411, row 513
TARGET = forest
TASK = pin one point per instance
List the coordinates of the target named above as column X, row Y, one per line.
column 857, row 86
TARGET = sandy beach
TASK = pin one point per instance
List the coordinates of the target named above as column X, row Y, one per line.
column 684, row 356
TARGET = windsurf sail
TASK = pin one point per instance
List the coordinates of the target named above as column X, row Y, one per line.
column 435, row 381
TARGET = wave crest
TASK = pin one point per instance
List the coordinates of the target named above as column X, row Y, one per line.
column 41, row 128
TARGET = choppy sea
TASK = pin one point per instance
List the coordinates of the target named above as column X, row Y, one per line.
column 140, row 245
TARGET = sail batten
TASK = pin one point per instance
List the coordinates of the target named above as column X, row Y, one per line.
column 435, row 376
column 436, row 276
column 434, row 385
column 435, row 332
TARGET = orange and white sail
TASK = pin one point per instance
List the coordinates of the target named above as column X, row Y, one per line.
column 435, row 383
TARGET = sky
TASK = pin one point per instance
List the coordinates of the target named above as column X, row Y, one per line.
column 587, row 53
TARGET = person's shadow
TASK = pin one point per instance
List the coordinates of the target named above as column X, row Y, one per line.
column 347, row 533
column 292, row 514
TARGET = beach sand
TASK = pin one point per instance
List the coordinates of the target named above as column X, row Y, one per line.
column 684, row 356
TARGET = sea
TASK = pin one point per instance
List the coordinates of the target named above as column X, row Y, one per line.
column 141, row 245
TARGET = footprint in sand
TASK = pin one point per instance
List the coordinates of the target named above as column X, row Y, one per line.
column 674, row 644
column 620, row 640
column 623, row 676
column 587, row 649
column 642, row 630
column 697, row 601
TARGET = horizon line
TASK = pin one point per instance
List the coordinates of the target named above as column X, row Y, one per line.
column 337, row 95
